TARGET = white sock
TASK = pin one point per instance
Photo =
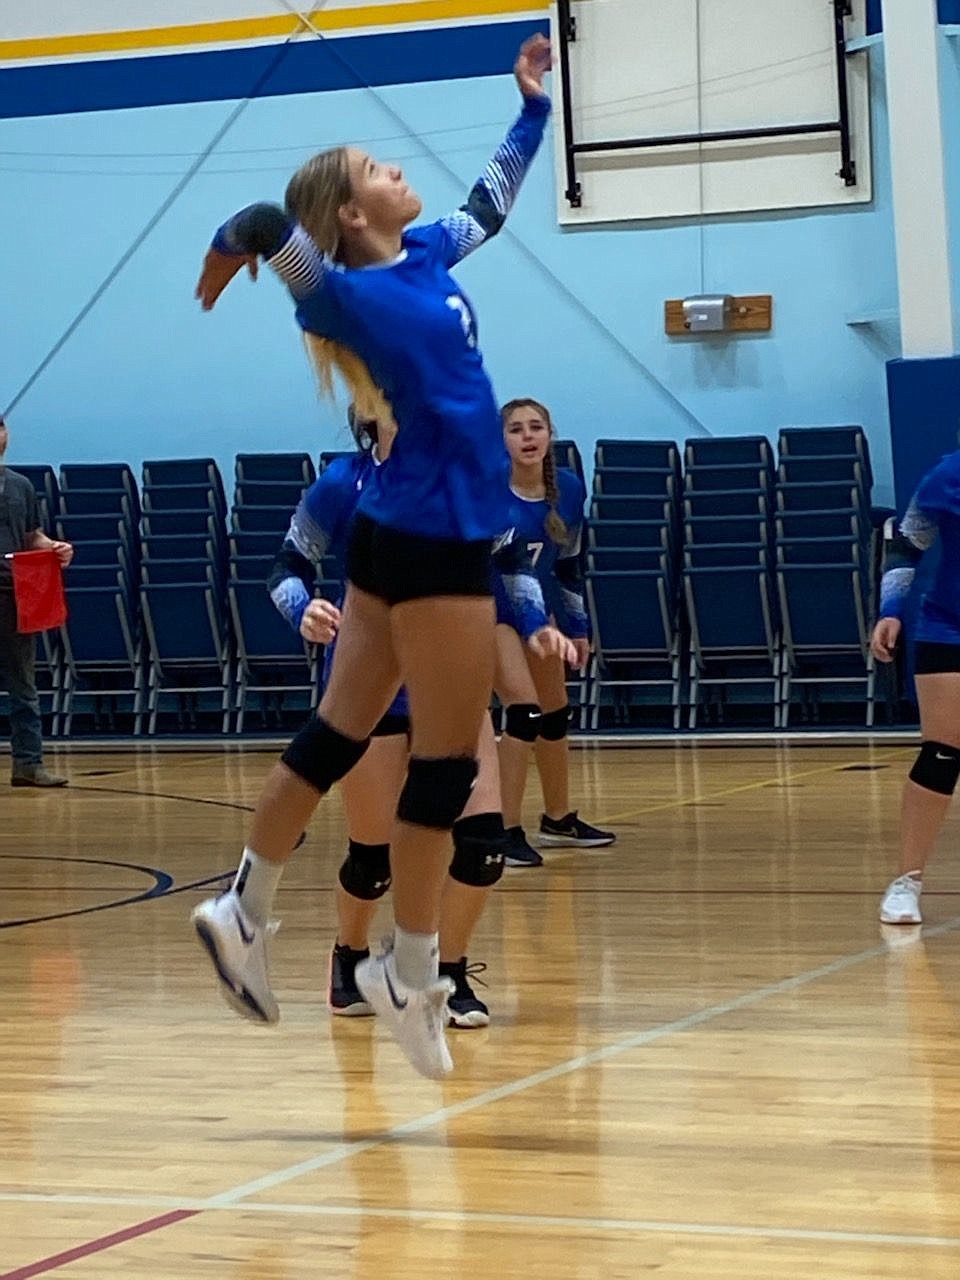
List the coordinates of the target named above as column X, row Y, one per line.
column 255, row 885
column 417, row 957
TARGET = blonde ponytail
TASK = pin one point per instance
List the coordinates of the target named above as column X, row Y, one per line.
column 315, row 195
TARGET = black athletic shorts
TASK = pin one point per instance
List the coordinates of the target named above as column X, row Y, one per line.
column 390, row 726
column 936, row 659
column 397, row 567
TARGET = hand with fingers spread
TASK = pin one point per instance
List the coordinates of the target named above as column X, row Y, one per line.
column 548, row 642
column 533, row 62
column 217, row 272
column 320, row 622
column 883, row 643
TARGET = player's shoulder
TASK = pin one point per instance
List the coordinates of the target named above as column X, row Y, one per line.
column 339, row 476
column 571, row 486
column 427, row 239
column 940, row 487
column 18, row 484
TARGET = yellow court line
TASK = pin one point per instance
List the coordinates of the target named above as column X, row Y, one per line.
column 277, row 26
column 749, row 786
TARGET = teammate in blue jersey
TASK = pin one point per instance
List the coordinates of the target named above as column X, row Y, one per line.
column 377, row 303
column 546, row 512
column 933, row 513
column 371, row 789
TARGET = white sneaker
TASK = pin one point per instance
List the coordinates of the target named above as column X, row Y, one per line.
column 415, row 1018
column 238, row 950
column 901, row 902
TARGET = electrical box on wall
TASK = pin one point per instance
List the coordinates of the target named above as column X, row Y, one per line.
column 707, row 312
column 718, row 313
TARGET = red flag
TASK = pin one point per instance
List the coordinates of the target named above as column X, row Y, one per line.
column 38, row 590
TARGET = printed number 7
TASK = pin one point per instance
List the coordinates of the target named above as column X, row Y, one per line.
column 536, row 550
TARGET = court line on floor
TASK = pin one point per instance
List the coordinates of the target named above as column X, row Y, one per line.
column 238, row 1197
column 650, row 1035
column 467, row 1217
column 90, row 1247
column 707, row 796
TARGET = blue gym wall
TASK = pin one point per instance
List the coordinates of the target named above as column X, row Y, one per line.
column 574, row 317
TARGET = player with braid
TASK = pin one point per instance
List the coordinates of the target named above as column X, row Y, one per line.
column 546, row 510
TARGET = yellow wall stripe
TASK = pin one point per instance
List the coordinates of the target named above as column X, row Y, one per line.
column 279, row 27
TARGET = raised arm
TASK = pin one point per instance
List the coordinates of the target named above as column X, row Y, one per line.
column 260, row 231
column 495, row 191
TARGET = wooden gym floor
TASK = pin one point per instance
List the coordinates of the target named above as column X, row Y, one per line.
column 706, row 1061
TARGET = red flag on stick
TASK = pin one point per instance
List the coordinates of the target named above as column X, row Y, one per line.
column 38, row 591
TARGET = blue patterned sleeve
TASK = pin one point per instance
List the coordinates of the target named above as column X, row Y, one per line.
column 569, row 575
column 521, row 587
column 917, row 533
column 495, row 191
column 316, row 523
column 265, row 230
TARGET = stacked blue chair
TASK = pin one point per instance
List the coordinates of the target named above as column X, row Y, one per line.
column 273, row 663
column 99, row 508
column 632, row 574
column 182, row 585
column 567, row 455
column 827, row 557
column 728, row 574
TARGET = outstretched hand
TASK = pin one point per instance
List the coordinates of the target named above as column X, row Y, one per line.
column 533, row 62
column 218, row 270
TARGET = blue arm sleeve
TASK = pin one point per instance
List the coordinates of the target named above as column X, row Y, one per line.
column 265, row 230
column 495, row 191
column 569, row 575
column 513, row 563
column 318, row 521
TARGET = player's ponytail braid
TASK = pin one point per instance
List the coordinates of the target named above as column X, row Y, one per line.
column 315, row 195
column 555, row 525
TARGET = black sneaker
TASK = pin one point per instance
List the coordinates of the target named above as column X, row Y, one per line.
column 519, row 852
column 466, row 1009
column 344, row 996
column 571, row 833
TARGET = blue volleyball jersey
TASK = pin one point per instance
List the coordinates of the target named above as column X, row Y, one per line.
column 416, row 332
column 934, row 511
column 556, row 565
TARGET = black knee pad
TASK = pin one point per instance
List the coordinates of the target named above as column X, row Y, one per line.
column 436, row 791
column 554, row 725
column 479, row 848
column 937, row 768
column 522, row 721
column 321, row 756
column 366, row 871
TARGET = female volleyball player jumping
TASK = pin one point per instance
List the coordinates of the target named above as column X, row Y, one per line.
column 378, row 303
column 546, row 511
column 371, row 789
column 934, row 510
